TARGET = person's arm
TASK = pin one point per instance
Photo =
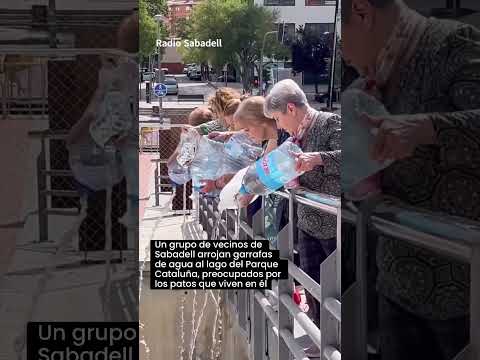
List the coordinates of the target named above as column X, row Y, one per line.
column 458, row 127
column 456, row 133
column 217, row 184
column 271, row 145
column 326, row 162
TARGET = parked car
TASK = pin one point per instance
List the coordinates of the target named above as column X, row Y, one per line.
column 190, row 70
column 185, row 70
column 172, row 85
column 195, row 73
column 165, row 71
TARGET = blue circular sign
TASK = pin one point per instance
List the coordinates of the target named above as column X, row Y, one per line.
column 160, row 90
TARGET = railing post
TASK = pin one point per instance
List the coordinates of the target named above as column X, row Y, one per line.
column 285, row 247
column 184, row 203
column 157, row 185
column 475, row 304
column 259, row 331
column 329, row 327
column 41, row 194
column 364, row 211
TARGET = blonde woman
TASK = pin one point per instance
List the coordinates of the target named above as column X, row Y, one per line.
column 244, row 115
column 223, row 103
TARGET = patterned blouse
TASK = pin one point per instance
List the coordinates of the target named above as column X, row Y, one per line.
column 324, row 136
column 443, row 80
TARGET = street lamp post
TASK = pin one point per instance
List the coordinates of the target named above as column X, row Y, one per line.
column 159, row 19
column 333, row 60
column 260, row 75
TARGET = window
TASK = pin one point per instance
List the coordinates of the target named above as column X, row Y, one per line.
column 286, row 32
column 318, row 29
column 279, row 2
column 315, row 2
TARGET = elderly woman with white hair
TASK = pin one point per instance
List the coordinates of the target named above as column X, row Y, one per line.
column 318, row 135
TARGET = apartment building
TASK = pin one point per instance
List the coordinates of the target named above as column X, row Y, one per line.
column 317, row 16
column 314, row 15
column 177, row 10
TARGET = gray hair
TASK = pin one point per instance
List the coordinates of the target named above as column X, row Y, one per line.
column 284, row 92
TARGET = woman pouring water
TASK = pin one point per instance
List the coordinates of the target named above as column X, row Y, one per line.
column 318, row 134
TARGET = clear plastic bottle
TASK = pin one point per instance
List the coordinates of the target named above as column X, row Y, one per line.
column 240, row 145
column 357, row 137
column 240, row 151
column 272, row 171
column 206, row 159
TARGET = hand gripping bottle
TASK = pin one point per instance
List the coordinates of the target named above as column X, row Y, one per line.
column 272, row 171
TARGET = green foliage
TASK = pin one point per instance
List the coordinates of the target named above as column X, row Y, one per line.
column 241, row 25
column 149, row 27
column 181, row 28
column 155, row 7
column 148, row 30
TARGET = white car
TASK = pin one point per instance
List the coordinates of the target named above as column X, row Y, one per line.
column 172, row 86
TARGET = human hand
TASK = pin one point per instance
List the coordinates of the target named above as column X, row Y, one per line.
column 208, row 186
column 307, row 161
column 220, row 136
column 397, row 136
column 245, row 200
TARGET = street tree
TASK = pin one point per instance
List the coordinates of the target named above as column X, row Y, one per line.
column 181, row 28
column 156, row 7
column 241, row 25
column 310, row 52
column 148, row 31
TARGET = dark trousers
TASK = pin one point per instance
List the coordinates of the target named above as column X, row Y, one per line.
column 312, row 253
column 404, row 335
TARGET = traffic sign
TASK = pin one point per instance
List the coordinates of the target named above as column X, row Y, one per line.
column 160, row 90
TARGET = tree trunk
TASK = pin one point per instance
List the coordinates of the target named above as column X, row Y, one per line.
column 245, row 73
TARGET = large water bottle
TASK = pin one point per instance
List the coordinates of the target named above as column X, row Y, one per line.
column 240, row 145
column 272, row 171
column 206, row 159
column 207, row 163
column 92, row 165
column 357, row 138
column 240, row 151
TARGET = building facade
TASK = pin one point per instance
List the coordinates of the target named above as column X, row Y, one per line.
column 317, row 16
column 313, row 15
column 178, row 11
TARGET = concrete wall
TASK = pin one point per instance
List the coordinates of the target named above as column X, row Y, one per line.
column 162, row 313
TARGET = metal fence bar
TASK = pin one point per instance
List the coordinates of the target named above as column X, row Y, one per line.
column 41, row 196
column 303, row 320
column 334, row 307
column 260, row 308
column 475, row 304
column 260, row 311
column 308, row 283
column 465, row 247
column 294, row 348
column 285, row 287
column 332, row 354
column 361, row 271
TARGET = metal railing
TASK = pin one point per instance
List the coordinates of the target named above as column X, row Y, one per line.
column 260, row 321
column 150, row 142
column 44, row 191
column 447, row 235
